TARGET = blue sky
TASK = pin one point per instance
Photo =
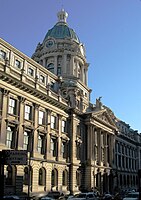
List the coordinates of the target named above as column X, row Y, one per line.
column 111, row 33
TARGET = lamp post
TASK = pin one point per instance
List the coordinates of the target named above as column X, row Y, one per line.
column 29, row 174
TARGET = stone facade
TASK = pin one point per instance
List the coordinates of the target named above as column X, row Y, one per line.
column 72, row 144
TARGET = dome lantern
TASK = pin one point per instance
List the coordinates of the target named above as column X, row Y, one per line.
column 62, row 16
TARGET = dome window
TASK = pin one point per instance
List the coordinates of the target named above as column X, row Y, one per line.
column 50, row 67
column 59, row 71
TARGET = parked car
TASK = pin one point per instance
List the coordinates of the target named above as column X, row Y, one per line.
column 107, row 197
column 85, row 196
column 54, row 194
column 11, row 197
column 66, row 197
column 46, row 198
column 132, row 196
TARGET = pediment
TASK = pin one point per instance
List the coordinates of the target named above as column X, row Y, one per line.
column 104, row 117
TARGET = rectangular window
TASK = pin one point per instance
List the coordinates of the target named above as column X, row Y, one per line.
column 53, row 145
column 17, row 64
column 26, row 141
column 2, row 55
column 41, row 117
column 63, row 149
column 40, row 146
column 30, row 71
column 9, row 137
column 12, row 106
column 53, row 122
column 42, row 79
column 63, row 126
column 52, row 85
column 27, row 112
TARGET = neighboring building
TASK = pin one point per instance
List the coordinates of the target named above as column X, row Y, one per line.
column 45, row 109
column 127, row 156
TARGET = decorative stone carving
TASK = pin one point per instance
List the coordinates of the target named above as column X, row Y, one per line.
column 5, row 92
column 99, row 103
column 21, row 99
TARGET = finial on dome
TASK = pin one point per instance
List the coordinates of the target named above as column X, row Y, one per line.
column 62, row 16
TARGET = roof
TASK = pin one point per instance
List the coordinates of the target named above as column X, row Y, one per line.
column 61, row 29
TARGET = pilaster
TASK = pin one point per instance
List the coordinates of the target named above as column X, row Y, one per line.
column 4, row 116
column 21, row 122
column 35, row 131
column 59, row 138
column 99, row 145
column 55, row 64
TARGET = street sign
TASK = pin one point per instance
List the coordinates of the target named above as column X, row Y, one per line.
column 14, row 157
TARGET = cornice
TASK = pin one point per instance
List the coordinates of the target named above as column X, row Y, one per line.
column 32, row 91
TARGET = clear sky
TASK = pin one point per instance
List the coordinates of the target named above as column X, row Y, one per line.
column 111, row 33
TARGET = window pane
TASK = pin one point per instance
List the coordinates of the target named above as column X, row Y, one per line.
column 39, row 144
column 9, row 137
column 2, row 54
column 63, row 126
column 53, row 121
column 42, row 79
column 17, row 63
column 41, row 117
column 26, row 141
column 27, row 112
column 50, row 67
column 12, row 106
column 30, row 71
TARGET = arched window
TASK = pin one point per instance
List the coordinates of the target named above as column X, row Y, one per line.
column 65, row 178
column 54, row 178
column 50, row 67
column 25, row 179
column 42, row 176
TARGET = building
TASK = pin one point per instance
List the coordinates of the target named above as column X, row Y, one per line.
column 45, row 109
column 127, row 156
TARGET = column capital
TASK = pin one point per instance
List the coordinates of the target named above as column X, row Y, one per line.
column 36, row 106
column 21, row 99
column 5, row 92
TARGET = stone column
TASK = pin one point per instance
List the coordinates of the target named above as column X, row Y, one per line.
column 86, row 76
column 55, row 64
column 11, row 60
column 112, row 143
column 93, row 143
column 89, row 142
column 71, row 68
column 21, row 122
column 95, row 146
column 35, row 131
column 65, row 65
column 105, row 149
column 59, row 138
column 23, row 78
column 4, row 116
column 48, row 136
column 99, row 146
column 44, row 62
